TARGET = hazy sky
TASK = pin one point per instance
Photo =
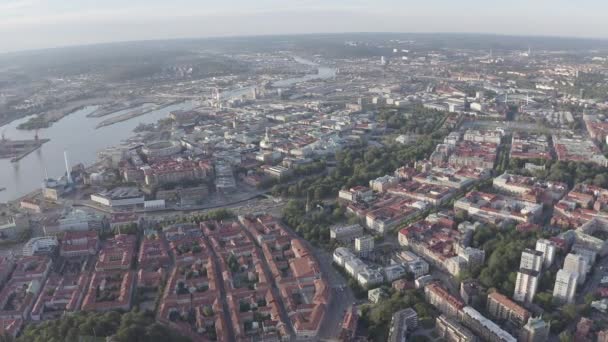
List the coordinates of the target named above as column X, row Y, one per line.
column 29, row 24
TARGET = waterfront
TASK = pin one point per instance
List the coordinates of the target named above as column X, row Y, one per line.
column 76, row 134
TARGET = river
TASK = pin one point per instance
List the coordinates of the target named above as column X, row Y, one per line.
column 323, row 73
column 76, row 134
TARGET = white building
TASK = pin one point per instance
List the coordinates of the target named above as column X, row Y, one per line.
column 474, row 257
column 526, row 285
column 381, row 184
column 403, row 321
column 354, row 266
column 414, row 263
column 548, row 248
column 456, row 265
column 393, row 272
column 531, row 260
column 565, row 286
column 483, row 327
column 154, row 204
column 586, row 253
column 576, row 264
column 536, row 330
column 364, row 245
column 345, row 233
column 37, row 245
column 342, row 255
column 369, row 277
column 119, row 197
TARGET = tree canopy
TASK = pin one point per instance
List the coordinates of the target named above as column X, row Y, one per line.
column 133, row 326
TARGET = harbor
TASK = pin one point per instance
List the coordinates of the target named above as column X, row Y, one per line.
column 16, row 150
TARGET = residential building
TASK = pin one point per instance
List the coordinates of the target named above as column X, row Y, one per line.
column 376, row 295
column 531, row 260
column 565, row 286
column 526, row 285
column 369, row 277
column 483, row 327
column 345, row 234
column 503, row 308
column 382, row 184
column 364, row 245
column 450, row 330
column 498, row 209
column 471, row 291
column 393, row 272
column 442, row 299
column 415, row 264
column 575, row 263
column 548, row 248
column 402, row 321
column 536, row 330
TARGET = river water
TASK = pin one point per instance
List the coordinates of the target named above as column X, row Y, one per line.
column 76, row 134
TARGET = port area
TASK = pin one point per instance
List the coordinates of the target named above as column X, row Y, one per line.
column 18, row 149
column 135, row 113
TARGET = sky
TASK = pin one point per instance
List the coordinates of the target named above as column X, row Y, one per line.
column 33, row 24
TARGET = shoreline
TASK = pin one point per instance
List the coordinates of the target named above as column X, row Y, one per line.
column 52, row 116
column 134, row 114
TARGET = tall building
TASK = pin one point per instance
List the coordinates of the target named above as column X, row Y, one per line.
column 576, row 264
column 565, row 286
column 526, row 285
column 364, row 245
column 531, row 260
column 536, row 330
column 548, row 248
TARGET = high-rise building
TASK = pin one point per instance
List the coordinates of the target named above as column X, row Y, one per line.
column 536, row 330
column 576, row 264
column 531, row 260
column 526, row 285
column 548, row 248
column 565, row 286
column 364, row 245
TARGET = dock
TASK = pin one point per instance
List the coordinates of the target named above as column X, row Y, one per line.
column 19, row 149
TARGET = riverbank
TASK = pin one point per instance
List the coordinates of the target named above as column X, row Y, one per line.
column 115, row 108
column 134, row 114
column 48, row 118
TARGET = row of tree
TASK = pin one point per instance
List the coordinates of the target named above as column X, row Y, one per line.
column 133, row 326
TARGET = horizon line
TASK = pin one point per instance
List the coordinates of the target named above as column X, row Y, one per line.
column 116, row 42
